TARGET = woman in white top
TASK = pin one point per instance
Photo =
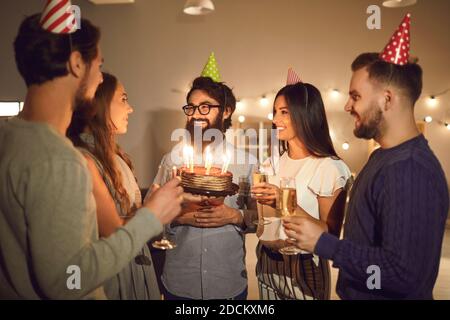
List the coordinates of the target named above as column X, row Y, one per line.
column 307, row 155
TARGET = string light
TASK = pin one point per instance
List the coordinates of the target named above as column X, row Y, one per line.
column 240, row 104
column 332, row 135
column 264, row 102
column 432, row 101
column 346, row 146
column 335, row 93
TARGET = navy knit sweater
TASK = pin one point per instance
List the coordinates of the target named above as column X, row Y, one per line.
column 395, row 221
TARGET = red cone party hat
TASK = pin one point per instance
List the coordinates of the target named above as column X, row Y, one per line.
column 292, row 77
column 397, row 50
column 58, row 17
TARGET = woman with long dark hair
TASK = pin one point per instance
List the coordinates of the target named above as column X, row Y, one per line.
column 307, row 155
column 93, row 130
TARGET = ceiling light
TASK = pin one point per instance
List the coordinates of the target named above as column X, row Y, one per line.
column 198, row 7
column 398, row 3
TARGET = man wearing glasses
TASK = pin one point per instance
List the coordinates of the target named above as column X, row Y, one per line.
column 209, row 260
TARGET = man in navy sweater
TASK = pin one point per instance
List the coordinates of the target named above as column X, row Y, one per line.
column 399, row 202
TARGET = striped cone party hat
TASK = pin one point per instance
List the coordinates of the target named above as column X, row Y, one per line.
column 292, row 77
column 58, row 17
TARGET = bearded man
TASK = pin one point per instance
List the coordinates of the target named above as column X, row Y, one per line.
column 209, row 259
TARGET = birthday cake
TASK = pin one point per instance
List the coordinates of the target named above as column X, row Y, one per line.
column 215, row 180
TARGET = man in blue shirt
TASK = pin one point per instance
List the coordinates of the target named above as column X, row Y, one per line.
column 209, row 259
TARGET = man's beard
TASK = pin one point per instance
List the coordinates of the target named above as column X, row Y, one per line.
column 217, row 124
column 81, row 101
column 371, row 127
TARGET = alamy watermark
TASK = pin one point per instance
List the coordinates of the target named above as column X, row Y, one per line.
column 74, row 280
column 374, row 280
column 257, row 144
column 374, row 20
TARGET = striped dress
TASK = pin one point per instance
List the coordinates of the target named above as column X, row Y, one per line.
column 137, row 281
column 303, row 276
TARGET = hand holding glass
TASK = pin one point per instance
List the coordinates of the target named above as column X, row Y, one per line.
column 288, row 205
column 165, row 243
column 260, row 177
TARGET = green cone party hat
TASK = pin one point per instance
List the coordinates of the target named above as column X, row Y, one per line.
column 211, row 70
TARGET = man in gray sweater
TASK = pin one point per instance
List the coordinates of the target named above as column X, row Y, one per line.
column 49, row 243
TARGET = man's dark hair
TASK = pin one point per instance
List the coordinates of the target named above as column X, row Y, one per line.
column 218, row 91
column 407, row 77
column 42, row 56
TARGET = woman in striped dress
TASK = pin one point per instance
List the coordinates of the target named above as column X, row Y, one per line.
column 93, row 130
column 307, row 155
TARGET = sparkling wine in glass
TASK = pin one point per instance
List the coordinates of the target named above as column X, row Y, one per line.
column 260, row 177
column 287, row 205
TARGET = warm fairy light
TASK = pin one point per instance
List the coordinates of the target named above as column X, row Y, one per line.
column 270, row 116
column 345, row 146
column 335, row 93
column 432, row 101
column 264, row 101
column 428, row 119
column 241, row 119
column 240, row 105
column 332, row 135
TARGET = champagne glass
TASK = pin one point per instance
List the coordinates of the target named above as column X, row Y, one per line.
column 165, row 243
column 287, row 205
column 260, row 177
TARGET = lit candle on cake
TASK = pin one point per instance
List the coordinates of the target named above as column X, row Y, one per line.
column 191, row 158
column 188, row 155
column 226, row 163
column 208, row 160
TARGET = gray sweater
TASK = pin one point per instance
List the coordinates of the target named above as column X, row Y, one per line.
column 48, row 219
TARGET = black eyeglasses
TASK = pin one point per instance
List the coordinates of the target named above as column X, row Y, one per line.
column 204, row 109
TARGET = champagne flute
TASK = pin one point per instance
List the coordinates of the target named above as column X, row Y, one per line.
column 165, row 243
column 260, row 177
column 288, row 204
